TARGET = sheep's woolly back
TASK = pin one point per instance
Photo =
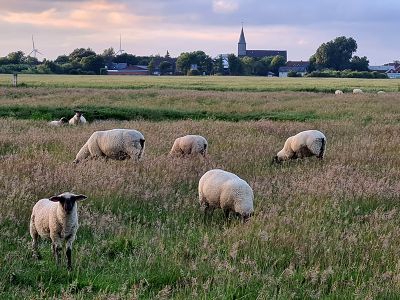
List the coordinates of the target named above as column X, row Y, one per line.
column 303, row 144
column 357, row 91
column 222, row 189
column 381, row 92
column 338, row 92
column 189, row 144
column 55, row 123
column 115, row 143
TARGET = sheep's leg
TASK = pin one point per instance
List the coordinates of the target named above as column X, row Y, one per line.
column 208, row 211
column 68, row 253
column 35, row 251
column 56, row 246
column 226, row 213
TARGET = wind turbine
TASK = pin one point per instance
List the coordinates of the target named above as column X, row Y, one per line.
column 120, row 51
column 34, row 50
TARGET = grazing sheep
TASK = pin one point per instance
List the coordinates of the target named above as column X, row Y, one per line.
column 56, row 218
column 60, row 122
column 357, row 91
column 304, row 144
column 338, row 92
column 116, row 144
column 189, row 144
column 77, row 119
column 225, row 190
column 381, row 92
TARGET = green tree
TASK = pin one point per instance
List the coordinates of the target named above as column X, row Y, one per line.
column 109, row 56
column 92, row 63
column 62, row 59
column 199, row 58
column 359, row 63
column 151, row 66
column 218, row 65
column 335, row 54
column 130, row 59
column 15, row 57
column 235, row 66
column 277, row 62
column 247, row 65
column 165, row 67
column 80, row 53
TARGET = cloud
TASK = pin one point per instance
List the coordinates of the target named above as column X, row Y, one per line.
column 225, row 6
column 153, row 26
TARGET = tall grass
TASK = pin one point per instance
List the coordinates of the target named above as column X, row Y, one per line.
column 326, row 229
column 203, row 83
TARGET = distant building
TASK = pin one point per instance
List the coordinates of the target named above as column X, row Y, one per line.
column 394, row 73
column 242, row 50
column 300, row 67
column 125, row 69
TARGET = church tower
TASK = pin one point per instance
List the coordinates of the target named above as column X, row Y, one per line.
column 242, row 44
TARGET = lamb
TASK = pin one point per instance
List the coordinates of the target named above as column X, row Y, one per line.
column 304, row 144
column 77, row 119
column 357, row 91
column 116, row 144
column 225, row 190
column 189, row 144
column 56, row 218
column 338, row 92
column 60, row 122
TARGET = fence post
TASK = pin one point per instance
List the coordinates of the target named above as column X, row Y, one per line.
column 15, row 79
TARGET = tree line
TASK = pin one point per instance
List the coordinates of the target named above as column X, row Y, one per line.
column 335, row 55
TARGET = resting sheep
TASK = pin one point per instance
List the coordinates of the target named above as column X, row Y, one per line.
column 225, row 190
column 116, row 144
column 381, row 92
column 189, row 144
column 338, row 92
column 56, row 218
column 77, row 119
column 304, row 144
column 60, row 122
column 357, row 91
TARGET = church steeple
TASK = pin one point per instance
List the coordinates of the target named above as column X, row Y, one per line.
column 242, row 44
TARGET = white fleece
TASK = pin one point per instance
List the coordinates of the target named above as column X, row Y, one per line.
column 225, row 190
column 189, row 144
column 304, row 144
column 115, row 144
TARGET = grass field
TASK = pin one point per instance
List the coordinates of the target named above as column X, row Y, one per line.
column 205, row 83
column 327, row 229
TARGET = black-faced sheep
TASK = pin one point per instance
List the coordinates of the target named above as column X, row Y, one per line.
column 56, row 218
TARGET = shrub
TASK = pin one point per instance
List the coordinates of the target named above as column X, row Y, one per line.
column 193, row 73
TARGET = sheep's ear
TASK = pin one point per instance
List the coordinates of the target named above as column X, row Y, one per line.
column 55, row 198
column 80, row 197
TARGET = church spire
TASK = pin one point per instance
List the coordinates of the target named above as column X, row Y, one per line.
column 242, row 40
column 242, row 44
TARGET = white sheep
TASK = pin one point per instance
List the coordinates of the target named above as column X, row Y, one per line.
column 338, row 92
column 357, row 91
column 77, row 119
column 381, row 92
column 189, row 144
column 60, row 122
column 56, row 218
column 304, row 144
column 225, row 190
column 116, row 144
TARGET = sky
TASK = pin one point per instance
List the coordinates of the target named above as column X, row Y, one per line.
column 155, row 26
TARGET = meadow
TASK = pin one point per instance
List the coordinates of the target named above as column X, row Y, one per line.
column 321, row 229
